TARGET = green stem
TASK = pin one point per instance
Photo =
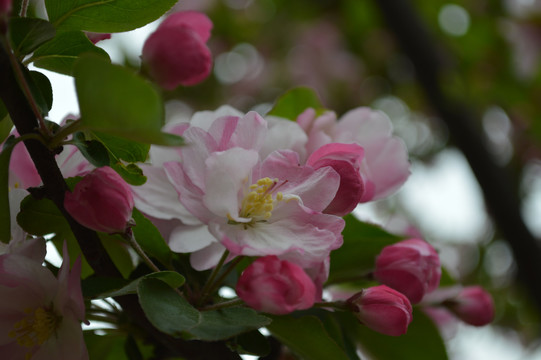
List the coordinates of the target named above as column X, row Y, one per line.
column 58, row 138
column 338, row 305
column 222, row 277
column 223, row 305
column 212, row 277
column 131, row 239
column 24, row 7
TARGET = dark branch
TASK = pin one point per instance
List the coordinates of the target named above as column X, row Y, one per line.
column 497, row 184
column 55, row 187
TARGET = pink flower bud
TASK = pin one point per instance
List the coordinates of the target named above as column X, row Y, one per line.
column 276, row 286
column 101, row 201
column 95, row 37
column 382, row 309
column 411, row 267
column 176, row 54
column 5, row 6
column 345, row 159
column 473, row 305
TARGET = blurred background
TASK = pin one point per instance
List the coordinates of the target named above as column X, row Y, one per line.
column 478, row 63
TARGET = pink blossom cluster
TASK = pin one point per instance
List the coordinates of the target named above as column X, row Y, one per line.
column 270, row 188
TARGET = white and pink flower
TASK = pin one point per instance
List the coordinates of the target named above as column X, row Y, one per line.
column 40, row 315
column 252, row 206
column 384, row 167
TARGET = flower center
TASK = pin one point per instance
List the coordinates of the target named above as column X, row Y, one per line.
column 258, row 204
column 36, row 327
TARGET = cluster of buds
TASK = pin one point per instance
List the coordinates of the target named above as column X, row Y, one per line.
column 409, row 270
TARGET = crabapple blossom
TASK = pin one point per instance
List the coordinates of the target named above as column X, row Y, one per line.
column 410, row 266
column 276, row 286
column 252, row 206
column 385, row 165
column 23, row 172
column 176, row 53
column 473, row 305
column 40, row 315
column 101, row 201
column 382, row 309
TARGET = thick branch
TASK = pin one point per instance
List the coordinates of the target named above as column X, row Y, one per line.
column 496, row 182
column 55, row 188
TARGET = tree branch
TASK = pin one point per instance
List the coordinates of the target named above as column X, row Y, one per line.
column 497, row 184
column 55, row 187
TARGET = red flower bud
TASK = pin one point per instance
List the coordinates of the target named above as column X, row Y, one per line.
column 95, row 37
column 276, row 286
column 382, row 309
column 101, row 201
column 176, row 54
column 5, row 6
column 345, row 159
column 411, row 267
column 473, row 305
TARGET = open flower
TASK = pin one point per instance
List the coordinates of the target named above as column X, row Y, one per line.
column 276, row 286
column 252, row 206
column 385, row 165
column 40, row 315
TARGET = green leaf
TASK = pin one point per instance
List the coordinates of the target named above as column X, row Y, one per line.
column 165, row 309
column 150, row 239
column 117, row 249
column 105, row 16
column 92, row 150
column 131, row 173
column 172, row 278
column 307, row 337
column 421, row 342
column 251, row 343
column 116, row 101
column 123, row 149
column 27, row 34
column 59, row 54
column 41, row 90
column 42, row 217
column 5, row 124
column 105, row 347
column 225, row 323
column 294, row 102
column 362, row 243
column 5, row 219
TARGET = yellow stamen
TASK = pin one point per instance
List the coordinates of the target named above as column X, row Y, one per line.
column 259, row 203
column 36, row 328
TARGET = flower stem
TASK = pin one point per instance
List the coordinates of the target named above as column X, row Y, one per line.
column 227, row 271
column 212, row 277
column 24, row 7
column 338, row 305
column 131, row 239
column 64, row 131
